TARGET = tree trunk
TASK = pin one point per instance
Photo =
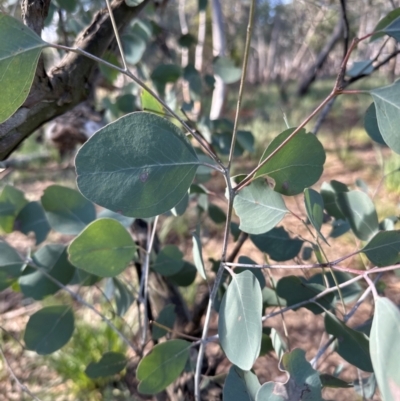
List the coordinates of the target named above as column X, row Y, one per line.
column 311, row 74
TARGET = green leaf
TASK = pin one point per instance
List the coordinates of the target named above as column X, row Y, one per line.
column 364, row 67
column 198, row 256
column 296, row 289
column 387, row 103
column 371, row 125
column 385, row 348
column 277, row 244
column 33, row 219
column 162, row 365
column 333, row 382
column 271, row 299
column 123, row 297
column 20, row 49
column 239, row 324
column 384, row 248
column 315, row 210
column 169, row 261
column 104, row 248
column 67, row 211
column 257, row 272
column 11, row 265
column 360, row 212
column 216, row 214
column 245, row 139
column 384, row 22
column 393, row 29
column 226, row 69
column 303, row 382
column 329, row 193
column 67, row 5
column 165, row 73
column 109, row 364
column 134, row 47
column 126, row 103
column 339, row 227
column 150, row 103
column 12, row 201
column 167, row 318
column 193, row 77
column 180, row 208
column 54, row 260
column 186, row 276
column 259, row 208
column 351, row 345
column 240, row 385
column 298, row 165
column 187, row 40
column 125, row 221
column 49, row 329
column 111, row 74
column 143, row 160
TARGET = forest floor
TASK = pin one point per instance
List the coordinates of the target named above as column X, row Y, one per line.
column 350, row 157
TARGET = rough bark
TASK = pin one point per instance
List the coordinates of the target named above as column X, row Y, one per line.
column 69, row 82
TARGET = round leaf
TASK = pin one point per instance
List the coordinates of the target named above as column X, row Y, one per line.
column 240, row 385
column 12, row 201
column 371, row 125
column 384, row 248
column 123, row 297
column 54, row 260
column 239, row 324
column 298, row 165
column 278, row 244
column 20, row 49
column 226, row 69
column 351, row 345
column 385, row 348
column 10, row 265
column 387, row 103
column 49, row 329
column 159, row 368
column 33, row 219
column 140, row 165
column 384, row 22
column 134, row 47
column 166, row 318
column 67, row 211
column 169, row 261
column 259, row 208
column 109, row 364
column 315, row 209
column 360, row 212
column 185, row 276
column 104, row 248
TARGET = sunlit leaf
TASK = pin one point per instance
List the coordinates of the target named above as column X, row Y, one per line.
column 360, row 212
column 104, row 248
column 150, row 103
column 109, row 364
column 351, row 345
column 67, row 211
column 239, row 324
column 49, row 329
column 20, row 49
column 143, row 160
column 162, row 365
column 387, row 103
column 259, row 208
column 385, row 348
column 296, row 166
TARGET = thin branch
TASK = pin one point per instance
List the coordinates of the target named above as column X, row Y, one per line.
column 79, row 299
column 116, row 33
column 22, row 386
column 346, row 27
column 243, row 78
